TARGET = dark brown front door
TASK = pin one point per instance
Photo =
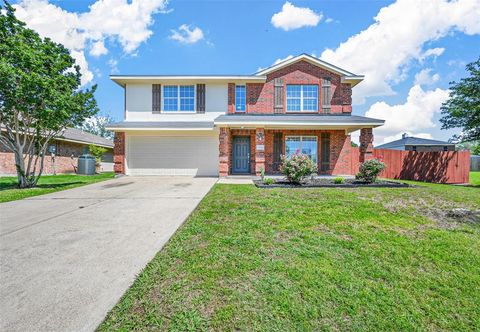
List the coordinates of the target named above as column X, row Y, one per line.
column 241, row 154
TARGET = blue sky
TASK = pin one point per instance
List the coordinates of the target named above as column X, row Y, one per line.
column 409, row 50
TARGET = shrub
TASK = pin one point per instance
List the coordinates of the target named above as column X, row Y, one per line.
column 97, row 152
column 268, row 181
column 297, row 167
column 369, row 170
column 339, row 180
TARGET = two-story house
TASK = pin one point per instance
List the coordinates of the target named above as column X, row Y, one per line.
column 210, row 125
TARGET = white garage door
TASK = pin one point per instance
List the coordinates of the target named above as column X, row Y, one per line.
column 172, row 155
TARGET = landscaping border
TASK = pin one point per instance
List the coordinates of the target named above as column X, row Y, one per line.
column 358, row 184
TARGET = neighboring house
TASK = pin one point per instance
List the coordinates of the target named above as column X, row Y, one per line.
column 66, row 150
column 407, row 143
column 209, row 125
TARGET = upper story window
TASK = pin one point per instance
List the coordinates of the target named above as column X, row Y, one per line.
column 240, row 98
column 302, row 98
column 179, row 98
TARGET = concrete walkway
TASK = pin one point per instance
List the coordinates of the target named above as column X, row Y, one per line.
column 67, row 258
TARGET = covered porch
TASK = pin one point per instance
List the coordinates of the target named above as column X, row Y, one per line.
column 248, row 148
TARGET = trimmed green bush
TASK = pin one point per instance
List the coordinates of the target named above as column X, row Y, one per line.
column 369, row 170
column 297, row 167
column 339, row 180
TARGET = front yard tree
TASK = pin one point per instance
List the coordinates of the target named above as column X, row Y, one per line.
column 462, row 109
column 39, row 95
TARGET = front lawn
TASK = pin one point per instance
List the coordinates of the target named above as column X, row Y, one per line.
column 314, row 259
column 475, row 178
column 46, row 184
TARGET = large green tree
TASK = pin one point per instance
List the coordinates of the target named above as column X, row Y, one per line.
column 40, row 94
column 462, row 109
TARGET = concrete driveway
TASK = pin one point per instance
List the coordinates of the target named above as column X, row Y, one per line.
column 66, row 258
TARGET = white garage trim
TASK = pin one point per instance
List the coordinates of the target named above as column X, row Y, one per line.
column 175, row 153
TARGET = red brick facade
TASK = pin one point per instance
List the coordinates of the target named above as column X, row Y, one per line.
column 260, row 96
column 119, row 153
column 343, row 158
column 366, row 144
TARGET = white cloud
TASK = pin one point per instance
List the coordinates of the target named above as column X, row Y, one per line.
column 383, row 51
column 291, row 17
column 435, row 52
column 113, row 64
column 282, row 59
column 98, row 48
column 423, row 77
column 414, row 116
column 122, row 21
column 187, row 35
column 329, row 20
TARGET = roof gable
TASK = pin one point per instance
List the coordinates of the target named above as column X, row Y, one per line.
column 347, row 77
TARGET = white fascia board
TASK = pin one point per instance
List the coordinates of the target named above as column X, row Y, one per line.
column 116, row 129
column 353, row 80
column 295, row 124
column 122, row 80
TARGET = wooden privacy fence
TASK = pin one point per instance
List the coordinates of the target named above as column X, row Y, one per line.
column 437, row 167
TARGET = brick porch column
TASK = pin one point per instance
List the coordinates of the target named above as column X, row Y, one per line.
column 259, row 152
column 119, row 153
column 366, row 144
column 224, row 152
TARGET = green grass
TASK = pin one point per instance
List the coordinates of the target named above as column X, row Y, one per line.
column 314, row 260
column 475, row 178
column 46, row 184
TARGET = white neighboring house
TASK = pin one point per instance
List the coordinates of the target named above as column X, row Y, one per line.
column 239, row 124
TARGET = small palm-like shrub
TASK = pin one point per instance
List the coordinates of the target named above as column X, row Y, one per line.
column 268, row 181
column 339, row 180
column 297, row 167
column 369, row 170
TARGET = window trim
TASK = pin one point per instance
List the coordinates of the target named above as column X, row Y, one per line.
column 302, row 110
column 178, row 99
column 245, row 98
column 301, row 141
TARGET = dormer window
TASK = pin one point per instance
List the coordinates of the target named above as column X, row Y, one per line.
column 178, row 98
column 302, row 98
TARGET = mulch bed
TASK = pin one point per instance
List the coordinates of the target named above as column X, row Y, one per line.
column 328, row 183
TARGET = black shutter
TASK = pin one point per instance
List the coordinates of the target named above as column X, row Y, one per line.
column 277, row 151
column 156, row 98
column 325, row 151
column 200, row 98
column 326, row 95
column 278, row 96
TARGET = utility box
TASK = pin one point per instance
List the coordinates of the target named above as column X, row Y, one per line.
column 86, row 164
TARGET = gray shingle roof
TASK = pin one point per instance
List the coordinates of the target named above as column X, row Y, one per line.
column 74, row 134
column 412, row 141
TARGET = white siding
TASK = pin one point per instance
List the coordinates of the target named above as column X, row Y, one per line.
column 139, row 104
column 172, row 153
column 216, row 98
column 138, row 98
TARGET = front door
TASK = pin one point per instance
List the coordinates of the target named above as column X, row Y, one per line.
column 241, row 154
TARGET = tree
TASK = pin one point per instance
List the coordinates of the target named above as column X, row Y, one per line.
column 39, row 94
column 96, row 125
column 462, row 109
